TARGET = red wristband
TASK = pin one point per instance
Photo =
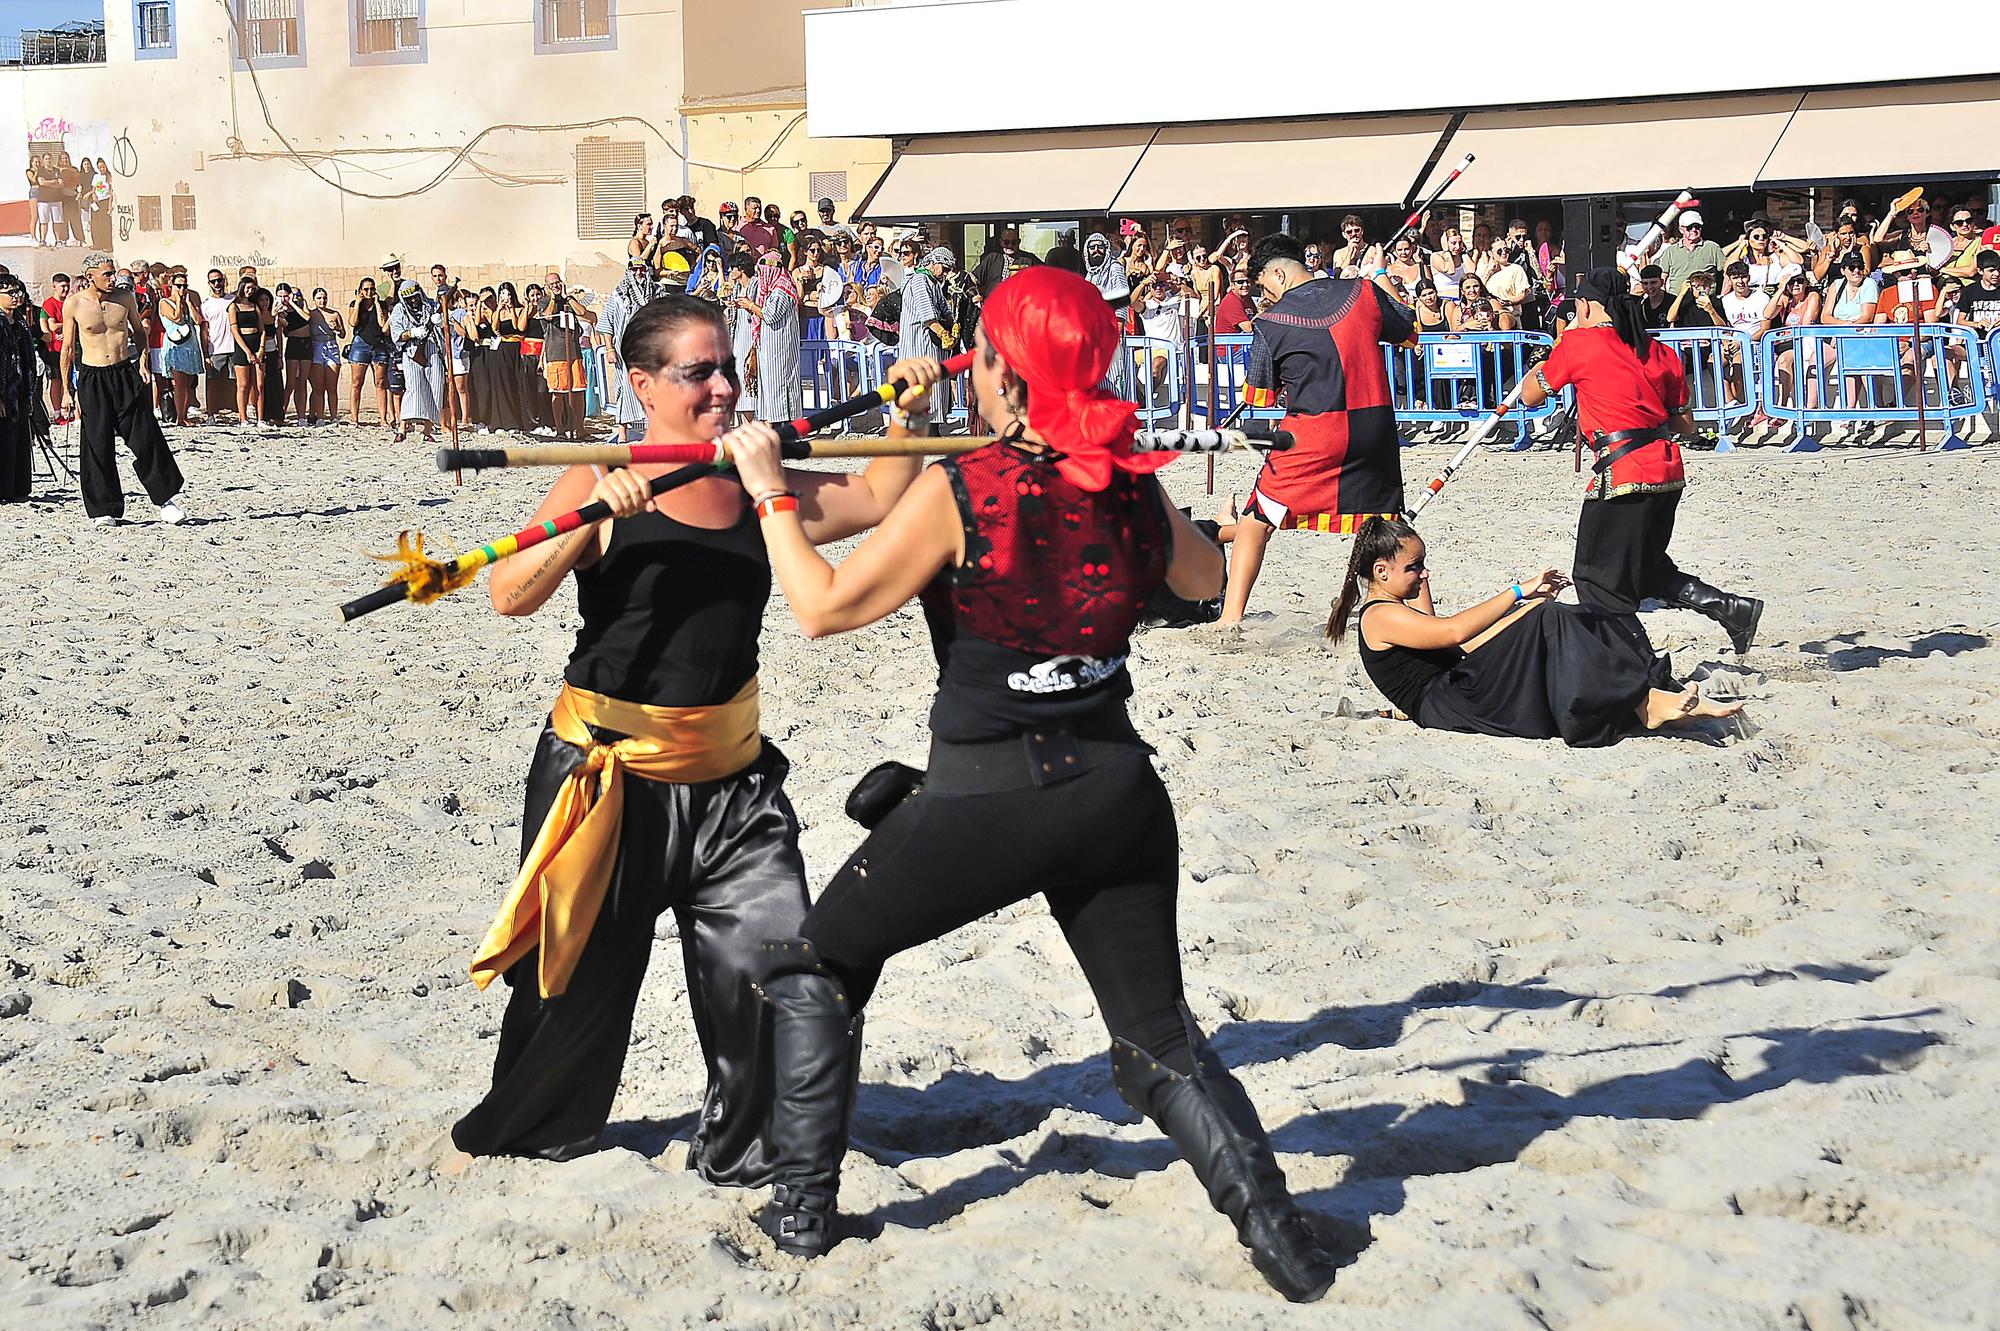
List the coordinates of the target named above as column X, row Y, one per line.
column 780, row 503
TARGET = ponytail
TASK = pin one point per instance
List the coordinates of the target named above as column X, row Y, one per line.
column 1628, row 319
column 1378, row 538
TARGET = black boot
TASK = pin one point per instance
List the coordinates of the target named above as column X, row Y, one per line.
column 816, row 1061
column 1212, row 1121
column 1738, row 615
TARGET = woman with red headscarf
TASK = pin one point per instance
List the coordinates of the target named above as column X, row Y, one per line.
column 1034, row 556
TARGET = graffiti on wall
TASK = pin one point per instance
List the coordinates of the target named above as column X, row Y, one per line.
column 254, row 259
column 63, row 182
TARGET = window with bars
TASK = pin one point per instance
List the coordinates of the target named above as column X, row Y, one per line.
column 149, row 212
column 270, row 30
column 388, row 31
column 153, row 26
column 183, row 212
column 575, row 25
column 386, row 25
column 610, row 188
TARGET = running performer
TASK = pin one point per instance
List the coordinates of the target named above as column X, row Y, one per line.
column 1630, row 392
column 1034, row 557
column 1519, row 663
column 1316, row 342
column 651, row 786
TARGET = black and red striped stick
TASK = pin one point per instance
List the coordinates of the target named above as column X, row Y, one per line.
column 1415, row 218
column 423, row 579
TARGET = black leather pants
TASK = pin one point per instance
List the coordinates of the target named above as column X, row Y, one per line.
column 724, row 856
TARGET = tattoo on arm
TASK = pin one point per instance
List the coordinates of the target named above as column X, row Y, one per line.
column 557, row 550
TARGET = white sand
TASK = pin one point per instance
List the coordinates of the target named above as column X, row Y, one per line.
column 1675, row 1035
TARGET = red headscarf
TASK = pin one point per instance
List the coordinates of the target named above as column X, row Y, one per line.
column 1057, row 333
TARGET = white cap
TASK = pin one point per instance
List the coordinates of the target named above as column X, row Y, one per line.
column 1691, row 218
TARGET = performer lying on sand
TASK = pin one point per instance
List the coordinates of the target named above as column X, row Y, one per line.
column 1034, row 556
column 651, row 787
column 1519, row 663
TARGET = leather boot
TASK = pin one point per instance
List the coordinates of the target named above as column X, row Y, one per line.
column 816, row 1062
column 1738, row 615
column 1211, row 1120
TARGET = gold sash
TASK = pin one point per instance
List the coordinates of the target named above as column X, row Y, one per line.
column 555, row 900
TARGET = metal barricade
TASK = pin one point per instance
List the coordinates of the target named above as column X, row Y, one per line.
column 1838, row 373
column 1232, row 370
column 832, row 370
column 876, row 358
column 1453, row 378
column 1151, row 372
column 1719, row 362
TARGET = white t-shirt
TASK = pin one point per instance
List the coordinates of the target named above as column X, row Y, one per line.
column 215, row 313
column 1745, row 312
column 1771, row 276
column 1165, row 319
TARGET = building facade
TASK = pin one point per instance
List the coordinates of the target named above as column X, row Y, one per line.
column 311, row 137
column 1291, row 112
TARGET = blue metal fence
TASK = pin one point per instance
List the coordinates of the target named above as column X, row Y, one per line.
column 1722, row 384
column 1807, row 376
column 1842, row 372
column 1453, row 378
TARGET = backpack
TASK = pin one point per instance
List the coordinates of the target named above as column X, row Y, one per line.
column 885, row 321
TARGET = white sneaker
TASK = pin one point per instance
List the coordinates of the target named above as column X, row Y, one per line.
column 104, row 520
column 170, row 513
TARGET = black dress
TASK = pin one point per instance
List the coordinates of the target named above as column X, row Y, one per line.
column 511, row 394
column 1559, row 671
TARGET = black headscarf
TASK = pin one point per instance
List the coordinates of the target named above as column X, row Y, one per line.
column 1609, row 288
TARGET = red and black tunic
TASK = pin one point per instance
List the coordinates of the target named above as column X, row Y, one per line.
column 1320, row 347
column 1615, row 392
column 1035, row 624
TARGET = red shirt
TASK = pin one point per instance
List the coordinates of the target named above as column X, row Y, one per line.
column 1615, row 391
column 1231, row 313
column 53, row 307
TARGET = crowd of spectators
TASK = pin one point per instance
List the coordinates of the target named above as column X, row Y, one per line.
column 508, row 358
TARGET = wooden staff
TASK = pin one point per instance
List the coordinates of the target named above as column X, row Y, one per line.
column 717, row 456
column 422, row 579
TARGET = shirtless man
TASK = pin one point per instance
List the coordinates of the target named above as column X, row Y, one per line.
column 103, row 326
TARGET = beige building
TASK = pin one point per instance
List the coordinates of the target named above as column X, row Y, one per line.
column 311, row 137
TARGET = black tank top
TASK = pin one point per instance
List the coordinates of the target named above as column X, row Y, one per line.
column 368, row 323
column 671, row 613
column 1403, row 673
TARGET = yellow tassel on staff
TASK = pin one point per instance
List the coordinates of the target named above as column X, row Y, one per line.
column 426, row 578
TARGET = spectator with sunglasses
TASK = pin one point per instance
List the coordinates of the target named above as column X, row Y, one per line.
column 218, row 341
column 1238, row 305
column 1691, row 253
column 1769, row 255
column 1910, row 240
column 1966, row 245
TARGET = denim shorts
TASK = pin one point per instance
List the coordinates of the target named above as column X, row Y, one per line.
column 360, row 353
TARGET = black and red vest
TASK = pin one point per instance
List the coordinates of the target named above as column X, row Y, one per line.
column 1036, row 623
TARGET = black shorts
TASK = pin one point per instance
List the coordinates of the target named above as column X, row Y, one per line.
column 239, row 360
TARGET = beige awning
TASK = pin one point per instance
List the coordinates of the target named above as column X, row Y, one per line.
column 1617, row 148
column 967, row 177
column 1901, row 133
column 1278, row 165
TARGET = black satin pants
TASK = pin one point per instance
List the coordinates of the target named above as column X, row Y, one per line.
column 724, row 857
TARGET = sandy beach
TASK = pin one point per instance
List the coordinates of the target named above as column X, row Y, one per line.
column 1691, row 1032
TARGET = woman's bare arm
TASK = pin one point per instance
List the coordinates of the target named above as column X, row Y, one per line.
column 523, row 584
